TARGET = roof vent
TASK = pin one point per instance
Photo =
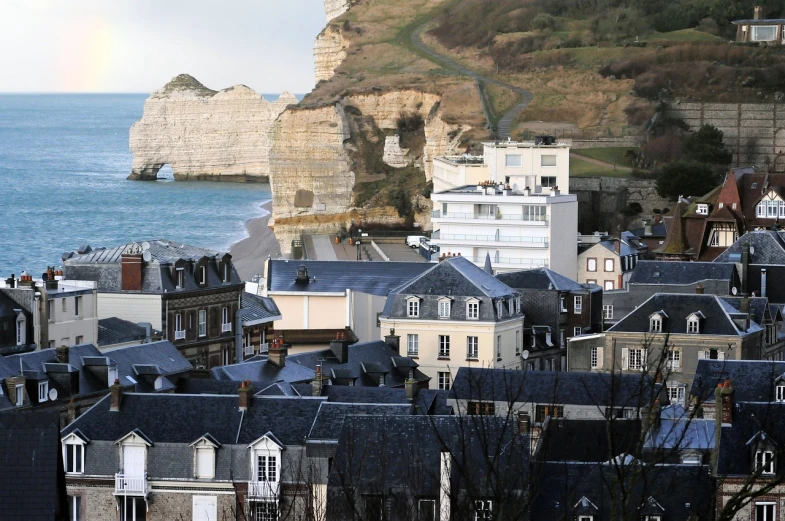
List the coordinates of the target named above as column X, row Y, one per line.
column 302, row 275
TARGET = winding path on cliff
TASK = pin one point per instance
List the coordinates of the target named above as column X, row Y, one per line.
column 505, row 121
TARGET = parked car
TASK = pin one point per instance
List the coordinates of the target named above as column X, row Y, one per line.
column 413, row 241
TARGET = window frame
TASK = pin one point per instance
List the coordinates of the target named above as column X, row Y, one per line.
column 202, row 323
column 516, row 158
column 779, row 392
column 472, row 347
column 693, row 326
column 673, row 359
column 761, row 462
column 547, row 162
column 444, row 346
column 655, row 324
column 444, row 380
column 444, row 308
column 412, row 344
column 413, row 308
column 577, row 331
column 498, row 348
column 72, row 456
column 226, row 320
column 640, row 359
column 77, row 306
column 20, row 395
column 473, row 310
column 607, row 311
column 179, row 328
column 43, row 391
column 612, row 265
column 577, row 304
column 549, row 181
column 589, row 262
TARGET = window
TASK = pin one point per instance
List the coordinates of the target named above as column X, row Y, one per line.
column 74, row 508
column 472, row 347
column 674, row 359
column 561, row 338
column 202, row 322
column 266, row 468
column 635, row 358
column 594, row 357
column 693, row 325
column 444, row 346
column 133, row 509
column 498, row 348
column 63, row 304
column 77, row 306
column 655, row 324
column 608, row 285
column 473, row 310
column 426, row 510
column 608, row 265
column 703, row 209
column 546, row 411
column 374, row 507
column 500, row 309
column 79, row 340
column 547, row 160
column 50, row 310
column 413, row 308
column 532, row 212
column 20, row 331
column 226, row 321
column 480, row 408
column 517, row 343
column 577, row 331
column 676, row 393
column 51, row 344
column 444, row 381
column 548, row 181
column 74, row 457
column 265, row 511
column 483, row 509
column 444, row 309
column 180, row 281
column 764, row 461
column 179, row 332
column 205, row 462
column 518, row 305
column 577, row 306
column 591, row 264
column 43, row 391
column 764, row 33
column 780, row 393
column 585, row 518
column 20, row 395
column 202, row 275
column 512, row 160
column 412, row 344
column 607, row 311
column 563, row 304
column 764, row 511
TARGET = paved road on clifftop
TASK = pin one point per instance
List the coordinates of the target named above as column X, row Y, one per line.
column 505, row 122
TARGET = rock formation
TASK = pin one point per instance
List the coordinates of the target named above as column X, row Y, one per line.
column 394, row 155
column 205, row 134
column 329, row 51
column 335, row 8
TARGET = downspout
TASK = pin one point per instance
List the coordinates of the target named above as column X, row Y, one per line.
column 238, row 336
column 166, row 319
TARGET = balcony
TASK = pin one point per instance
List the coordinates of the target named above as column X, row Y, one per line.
column 262, row 489
column 525, row 242
column 509, row 261
column 225, row 328
column 179, row 335
column 130, row 485
column 533, row 220
column 248, row 350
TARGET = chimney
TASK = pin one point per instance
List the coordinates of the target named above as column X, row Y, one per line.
column 757, row 12
column 411, row 389
column 276, row 354
column 131, row 267
column 11, row 281
column 647, row 228
column 11, row 384
column 70, row 413
column 302, row 275
column 316, row 383
column 745, row 263
column 393, row 341
column 699, row 289
column 445, row 492
column 617, row 246
column 763, row 282
column 62, row 354
column 340, row 347
column 724, row 402
column 116, row 392
column 524, row 423
column 244, row 393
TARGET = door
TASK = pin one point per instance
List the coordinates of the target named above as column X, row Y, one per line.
column 133, row 461
column 205, row 508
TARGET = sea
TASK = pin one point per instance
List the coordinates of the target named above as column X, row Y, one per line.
column 64, row 159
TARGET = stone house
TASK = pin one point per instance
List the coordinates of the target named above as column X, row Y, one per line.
column 456, row 314
column 190, row 294
column 557, row 308
column 759, row 257
column 610, row 262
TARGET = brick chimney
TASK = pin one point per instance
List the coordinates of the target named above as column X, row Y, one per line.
column 116, row 392
column 62, row 355
column 276, row 353
column 393, row 341
column 411, row 388
column 699, row 289
column 757, row 12
column 245, row 395
column 340, row 347
column 11, row 384
column 317, row 383
column 724, row 402
column 131, row 267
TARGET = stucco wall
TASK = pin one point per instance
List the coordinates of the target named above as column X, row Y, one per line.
column 134, row 308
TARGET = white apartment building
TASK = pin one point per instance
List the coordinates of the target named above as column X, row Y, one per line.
column 521, row 214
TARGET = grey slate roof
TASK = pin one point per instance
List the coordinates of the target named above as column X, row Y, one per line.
column 32, row 479
column 753, row 422
column 539, row 278
column 115, row 330
column 258, row 310
column 677, row 430
column 155, row 358
column 753, row 380
column 766, row 247
column 587, row 440
column 330, row 419
column 263, row 373
column 678, row 307
column 657, row 230
column 549, row 387
column 354, row 394
column 681, row 272
column 375, row 278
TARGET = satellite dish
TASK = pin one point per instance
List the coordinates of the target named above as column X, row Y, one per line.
column 525, row 354
column 734, row 290
column 53, row 394
column 147, row 256
column 752, row 250
column 145, row 246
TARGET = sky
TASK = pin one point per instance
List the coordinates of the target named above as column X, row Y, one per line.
column 139, row 45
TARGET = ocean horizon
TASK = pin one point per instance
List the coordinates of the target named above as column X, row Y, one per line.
column 64, row 159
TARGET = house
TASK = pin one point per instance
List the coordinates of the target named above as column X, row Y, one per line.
column 676, row 436
column 668, row 334
column 16, row 327
column 61, row 313
column 456, row 314
column 610, row 262
column 753, row 381
column 318, row 299
column 652, row 235
column 190, row 294
column 205, row 457
column 257, row 316
column 556, row 308
column 439, row 467
column 32, row 478
column 760, row 258
column 544, row 394
column 759, row 29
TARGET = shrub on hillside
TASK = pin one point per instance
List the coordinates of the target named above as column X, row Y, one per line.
column 543, row 21
column 686, row 178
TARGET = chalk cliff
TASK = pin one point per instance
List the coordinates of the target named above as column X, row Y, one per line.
column 329, row 51
column 205, row 134
column 335, row 8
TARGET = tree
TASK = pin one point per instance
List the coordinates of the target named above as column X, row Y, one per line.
column 705, row 146
column 686, row 178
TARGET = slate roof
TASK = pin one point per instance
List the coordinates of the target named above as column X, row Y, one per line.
column 657, row 230
column 331, row 416
column 206, row 386
column 677, row 430
column 539, row 278
column 549, row 387
column 263, row 373
column 375, row 278
column 354, row 394
column 587, row 440
column 752, row 423
column 753, row 380
column 678, row 307
column 115, row 330
column 258, row 310
column 155, row 358
column 32, row 479
column 681, row 272
column 767, row 247
column 759, row 307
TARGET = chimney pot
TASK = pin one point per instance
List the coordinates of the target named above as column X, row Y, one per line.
column 63, row 355
column 244, row 395
column 411, row 389
column 758, row 12
column 316, row 384
column 699, row 289
column 116, row 392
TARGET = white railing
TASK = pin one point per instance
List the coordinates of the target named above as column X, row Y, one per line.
column 532, row 263
column 130, row 485
column 533, row 241
column 264, row 348
column 248, row 349
column 179, row 335
column 262, row 489
column 226, row 327
column 438, row 214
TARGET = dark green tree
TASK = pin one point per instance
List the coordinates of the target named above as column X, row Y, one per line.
column 686, row 178
column 705, row 146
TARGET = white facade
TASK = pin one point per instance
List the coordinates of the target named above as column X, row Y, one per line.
column 71, row 314
column 135, row 308
column 528, row 165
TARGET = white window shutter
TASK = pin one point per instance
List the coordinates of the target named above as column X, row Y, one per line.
column 599, row 357
column 701, row 355
column 625, row 357
column 720, row 355
column 645, row 361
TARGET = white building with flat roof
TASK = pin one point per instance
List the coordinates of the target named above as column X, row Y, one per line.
column 521, row 214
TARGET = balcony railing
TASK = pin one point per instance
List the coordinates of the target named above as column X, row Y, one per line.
column 130, row 485
column 532, row 263
column 264, row 348
column 257, row 489
column 226, row 327
column 248, row 350
column 438, row 214
column 179, row 335
column 531, row 241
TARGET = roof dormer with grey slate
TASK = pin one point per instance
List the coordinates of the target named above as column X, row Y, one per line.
column 458, row 281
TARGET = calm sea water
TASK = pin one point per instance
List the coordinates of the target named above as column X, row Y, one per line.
column 63, row 164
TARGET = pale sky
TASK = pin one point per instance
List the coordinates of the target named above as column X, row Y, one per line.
column 139, row 45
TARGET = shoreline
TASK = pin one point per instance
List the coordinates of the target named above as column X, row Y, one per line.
column 250, row 253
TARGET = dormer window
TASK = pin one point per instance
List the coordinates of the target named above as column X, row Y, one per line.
column 473, row 309
column 499, row 308
column 764, row 461
column 204, row 457
column 21, row 330
column 226, row 268
column 180, row 278
column 201, row 274
column 444, row 308
column 518, row 305
column 73, row 454
column 43, row 391
column 655, row 322
column 265, row 467
column 703, row 209
column 413, row 307
column 693, row 322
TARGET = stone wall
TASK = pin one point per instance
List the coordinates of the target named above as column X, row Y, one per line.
column 600, row 199
column 606, row 142
column 755, row 132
